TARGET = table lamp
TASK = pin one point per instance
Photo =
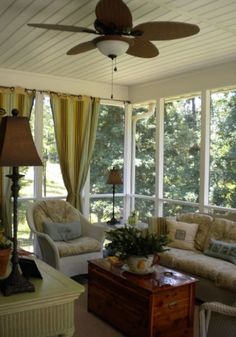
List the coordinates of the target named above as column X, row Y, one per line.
column 114, row 178
column 17, row 148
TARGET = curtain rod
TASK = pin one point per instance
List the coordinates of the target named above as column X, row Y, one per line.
column 65, row 94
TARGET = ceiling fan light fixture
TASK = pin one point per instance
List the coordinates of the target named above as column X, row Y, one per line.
column 112, row 47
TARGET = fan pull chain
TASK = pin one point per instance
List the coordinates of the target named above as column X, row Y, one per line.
column 113, row 69
column 112, row 78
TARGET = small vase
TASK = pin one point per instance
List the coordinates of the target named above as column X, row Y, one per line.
column 4, row 260
column 140, row 264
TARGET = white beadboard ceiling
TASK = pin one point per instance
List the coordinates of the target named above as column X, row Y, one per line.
column 44, row 51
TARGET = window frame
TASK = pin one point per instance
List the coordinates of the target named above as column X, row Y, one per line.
column 129, row 194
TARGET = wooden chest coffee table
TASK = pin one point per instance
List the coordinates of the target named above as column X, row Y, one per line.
column 160, row 304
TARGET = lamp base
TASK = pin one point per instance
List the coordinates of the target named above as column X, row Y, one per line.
column 113, row 221
column 15, row 283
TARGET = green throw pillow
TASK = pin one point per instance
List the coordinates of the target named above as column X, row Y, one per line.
column 222, row 250
column 62, row 231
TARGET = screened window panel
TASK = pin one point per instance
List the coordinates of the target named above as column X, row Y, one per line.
column 101, row 209
column 145, row 147
column 222, row 189
column 53, row 184
column 182, row 130
column 109, row 148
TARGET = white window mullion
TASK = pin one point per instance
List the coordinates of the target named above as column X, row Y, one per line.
column 205, row 151
column 38, row 127
column 127, row 160
column 159, row 156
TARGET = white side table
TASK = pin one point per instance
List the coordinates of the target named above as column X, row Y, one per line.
column 49, row 311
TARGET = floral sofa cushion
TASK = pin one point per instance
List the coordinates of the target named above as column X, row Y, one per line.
column 223, row 230
column 221, row 272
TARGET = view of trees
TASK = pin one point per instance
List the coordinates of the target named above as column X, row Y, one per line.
column 145, row 152
column 108, row 153
column 182, row 134
column 223, row 150
column 182, row 138
column 53, row 184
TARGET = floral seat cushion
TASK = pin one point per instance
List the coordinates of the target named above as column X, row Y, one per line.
column 221, row 272
column 81, row 245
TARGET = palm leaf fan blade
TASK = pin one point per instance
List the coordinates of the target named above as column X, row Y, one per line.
column 82, row 48
column 114, row 14
column 142, row 48
column 165, row 30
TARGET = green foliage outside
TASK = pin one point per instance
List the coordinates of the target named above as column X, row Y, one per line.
column 145, row 153
column 52, row 182
column 108, row 153
column 182, row 130
column 223, row 150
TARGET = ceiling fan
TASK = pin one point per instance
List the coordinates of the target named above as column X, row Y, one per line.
column 116, row 34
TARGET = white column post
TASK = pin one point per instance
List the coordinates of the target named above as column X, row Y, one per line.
column 205, row 151
column 127, row 160
column 159, row 156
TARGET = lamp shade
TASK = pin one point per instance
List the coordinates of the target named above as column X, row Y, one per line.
column 17, row 147
column 114, row 177
column 112, row 47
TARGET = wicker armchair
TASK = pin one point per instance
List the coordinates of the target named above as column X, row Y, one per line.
column 69, row 256
column 217, row 320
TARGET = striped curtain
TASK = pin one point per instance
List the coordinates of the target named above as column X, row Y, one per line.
column 22, row 100
column 75, row 121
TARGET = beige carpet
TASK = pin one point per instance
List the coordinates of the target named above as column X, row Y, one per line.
column 88, row 325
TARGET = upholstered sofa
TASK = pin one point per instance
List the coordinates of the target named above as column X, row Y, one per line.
column 205, row 247
column 63, row 237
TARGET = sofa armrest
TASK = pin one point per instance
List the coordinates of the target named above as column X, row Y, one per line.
column 157, row 225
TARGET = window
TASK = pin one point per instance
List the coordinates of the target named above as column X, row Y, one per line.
column 179, row 138
column 145, row 147
column 108, row 153
column 49, row 176
column 144, row 129
column 182, row 130
column 222, row 190
column 53, row 184
column 175, row 208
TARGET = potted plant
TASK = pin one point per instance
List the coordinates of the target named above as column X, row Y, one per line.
column 137, row 248
column 5, row 252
